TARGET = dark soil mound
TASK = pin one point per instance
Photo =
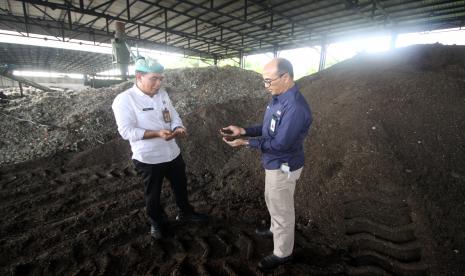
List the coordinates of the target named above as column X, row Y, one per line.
column 381, row 193
column 389, row 127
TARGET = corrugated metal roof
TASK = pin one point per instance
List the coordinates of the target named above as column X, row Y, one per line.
column 27, row 57
column 222, row 28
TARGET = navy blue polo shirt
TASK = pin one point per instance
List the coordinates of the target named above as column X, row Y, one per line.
column 285, row 125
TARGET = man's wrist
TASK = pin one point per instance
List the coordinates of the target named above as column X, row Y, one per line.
column 242, row 131
column 148, row 134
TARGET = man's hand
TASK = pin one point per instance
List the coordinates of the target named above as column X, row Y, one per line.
column 164, row 133
column 236, row 142
column 232, row 131
column 178, row 132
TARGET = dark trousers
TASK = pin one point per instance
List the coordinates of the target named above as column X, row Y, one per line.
column 153, row 175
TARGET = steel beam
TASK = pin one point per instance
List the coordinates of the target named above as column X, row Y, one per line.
column 49, row 25
column 93, row 13
column 192, row 17
column 25, row 19
column 229, row 16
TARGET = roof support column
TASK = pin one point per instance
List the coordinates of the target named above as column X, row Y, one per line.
column 166, row 27
column 20, row 88
column 324, row 47
column 393, row 39
column 275, row 52
column 241, row 59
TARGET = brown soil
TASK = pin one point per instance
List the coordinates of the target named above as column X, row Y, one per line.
column 382, row 192
column 388, row 149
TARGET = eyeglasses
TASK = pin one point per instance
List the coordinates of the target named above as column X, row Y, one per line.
column 267, row 82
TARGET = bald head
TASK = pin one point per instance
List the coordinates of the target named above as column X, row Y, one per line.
column 278, row 76
column 280, row 66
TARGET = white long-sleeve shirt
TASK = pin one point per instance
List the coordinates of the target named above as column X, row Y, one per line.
column 136, row 112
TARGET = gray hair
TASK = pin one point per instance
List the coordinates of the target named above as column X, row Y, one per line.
column 285, row 66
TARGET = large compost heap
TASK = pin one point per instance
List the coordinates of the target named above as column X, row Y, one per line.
column 382, row 191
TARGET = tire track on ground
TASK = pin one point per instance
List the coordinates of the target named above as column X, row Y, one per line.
column 380, row 236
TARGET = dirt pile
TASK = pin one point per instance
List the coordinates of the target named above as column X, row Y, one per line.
column 83, row 198
column 388, row 136
column 381, row 192
column 41, row 124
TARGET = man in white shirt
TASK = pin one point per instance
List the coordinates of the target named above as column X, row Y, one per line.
column 146, row 117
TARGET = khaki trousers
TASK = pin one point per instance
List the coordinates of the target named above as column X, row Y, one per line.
column 279, row 197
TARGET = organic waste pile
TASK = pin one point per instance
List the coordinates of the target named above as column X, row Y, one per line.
column 382, row 191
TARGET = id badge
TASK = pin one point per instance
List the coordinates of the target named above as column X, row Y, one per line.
column 273, row 122
column 166, row 115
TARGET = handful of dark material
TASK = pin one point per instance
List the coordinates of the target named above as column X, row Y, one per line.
column 226, row 131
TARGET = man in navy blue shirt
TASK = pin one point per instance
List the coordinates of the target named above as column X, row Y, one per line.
column 280, row 139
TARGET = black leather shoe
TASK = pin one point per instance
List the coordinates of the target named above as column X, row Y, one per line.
column 272, row 261
column 192, row 217
column 155, row 232
column 264, row 232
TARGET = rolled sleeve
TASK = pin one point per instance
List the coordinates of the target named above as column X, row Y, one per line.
column 126, row 121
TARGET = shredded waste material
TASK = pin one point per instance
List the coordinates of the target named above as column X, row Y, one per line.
column 382, row 190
